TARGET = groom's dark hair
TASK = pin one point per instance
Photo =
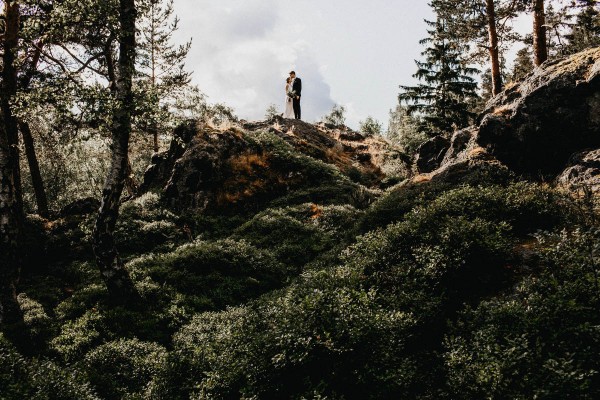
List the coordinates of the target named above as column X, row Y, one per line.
column 293, row 72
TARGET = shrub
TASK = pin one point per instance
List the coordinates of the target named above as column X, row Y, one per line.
column 123, row 368
column 213, row 275
column 527, row 207
column 38, row 380
column 78, row 336
column 315, row 338
column 539, row 340
column 145, row 226
column 38, row 323
column 293, row 238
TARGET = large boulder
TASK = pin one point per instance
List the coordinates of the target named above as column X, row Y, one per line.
column 253, row 163
column 532, row 129
column 431, row 153
column 583, row 171
column 535, row 126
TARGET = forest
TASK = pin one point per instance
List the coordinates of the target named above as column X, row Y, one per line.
column 154, row 245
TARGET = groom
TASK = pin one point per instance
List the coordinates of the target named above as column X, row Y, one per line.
column 297, row 88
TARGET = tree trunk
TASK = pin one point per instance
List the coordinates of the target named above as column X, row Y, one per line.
column 119, row 284
column 11, row 203
column 493, row 47
column 540, row 48
column 9, row 90
column 154, row 131
column 9, row 234
column 34, row 169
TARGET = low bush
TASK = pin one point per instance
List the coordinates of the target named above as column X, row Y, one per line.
column 374, row 326
column 21, row 378
column 123, row 368
column 212, row 275
column 144, row 225
column 540, row 340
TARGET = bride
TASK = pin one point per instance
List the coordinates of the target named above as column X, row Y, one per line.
column 289, row 108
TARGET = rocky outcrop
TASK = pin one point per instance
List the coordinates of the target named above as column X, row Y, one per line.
column 249, row 164
column 583, row 171
column 536, row 126
column 533, row 128
column 431, row 153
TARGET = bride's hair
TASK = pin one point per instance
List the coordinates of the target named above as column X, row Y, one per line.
column 288, row 80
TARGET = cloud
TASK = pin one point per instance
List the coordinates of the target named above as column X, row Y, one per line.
column 242, row 52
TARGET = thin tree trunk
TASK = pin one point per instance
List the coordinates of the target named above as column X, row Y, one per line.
column 153, row 127
column 24, row 128
column 34, row 169
column 9, row 234
column 112, row 269
column 9, row 90
column 540, row 48
column 493, row 48
column 11, row 211
column 131, row 183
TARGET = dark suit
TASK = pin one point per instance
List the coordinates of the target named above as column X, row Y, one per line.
column 297, row 87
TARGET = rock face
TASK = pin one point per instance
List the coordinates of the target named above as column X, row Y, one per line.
column 583, row 170
column 431, row 153
column 535, row 127
column 208, row 169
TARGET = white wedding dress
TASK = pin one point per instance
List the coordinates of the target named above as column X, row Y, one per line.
column 289, row 106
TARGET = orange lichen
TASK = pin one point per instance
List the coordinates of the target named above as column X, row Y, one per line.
column 316, row 211
column 421, row 178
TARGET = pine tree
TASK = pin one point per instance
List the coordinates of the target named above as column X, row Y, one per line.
column 585, row 32
column 483, row 28
column 446, row 91
column 403, row 130
column 160, row 64
column 523, row 65
column 540, row 47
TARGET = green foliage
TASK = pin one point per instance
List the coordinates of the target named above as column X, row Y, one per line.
column 292, row 240
column 297, row 235
column 144, row 225
column 370, row 327
column 213, row 275
column 403, row 130
column 523, row 65
column 371, row 127
column 541, row 339
column 38, row 323
column 123, row 368
column 336, row 117
column 80, row 335
column 271, row 112
column 442, row 98
column 38, row 380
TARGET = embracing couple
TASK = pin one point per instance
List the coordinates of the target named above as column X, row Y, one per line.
column 293, row 92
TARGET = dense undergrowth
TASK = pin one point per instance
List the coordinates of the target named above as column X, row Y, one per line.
column 483, row 289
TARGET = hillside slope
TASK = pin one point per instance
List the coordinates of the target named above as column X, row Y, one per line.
column 274, row 262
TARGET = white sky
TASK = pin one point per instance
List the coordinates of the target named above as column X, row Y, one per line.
column 351, row 52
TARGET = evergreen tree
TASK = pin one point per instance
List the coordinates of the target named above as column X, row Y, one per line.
column 446, row 91
column 370, row 127
column 271, row 112
column 585, row 32
column 160, row 64
column 403, row 130
column 483, row 28
column 523, row 65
